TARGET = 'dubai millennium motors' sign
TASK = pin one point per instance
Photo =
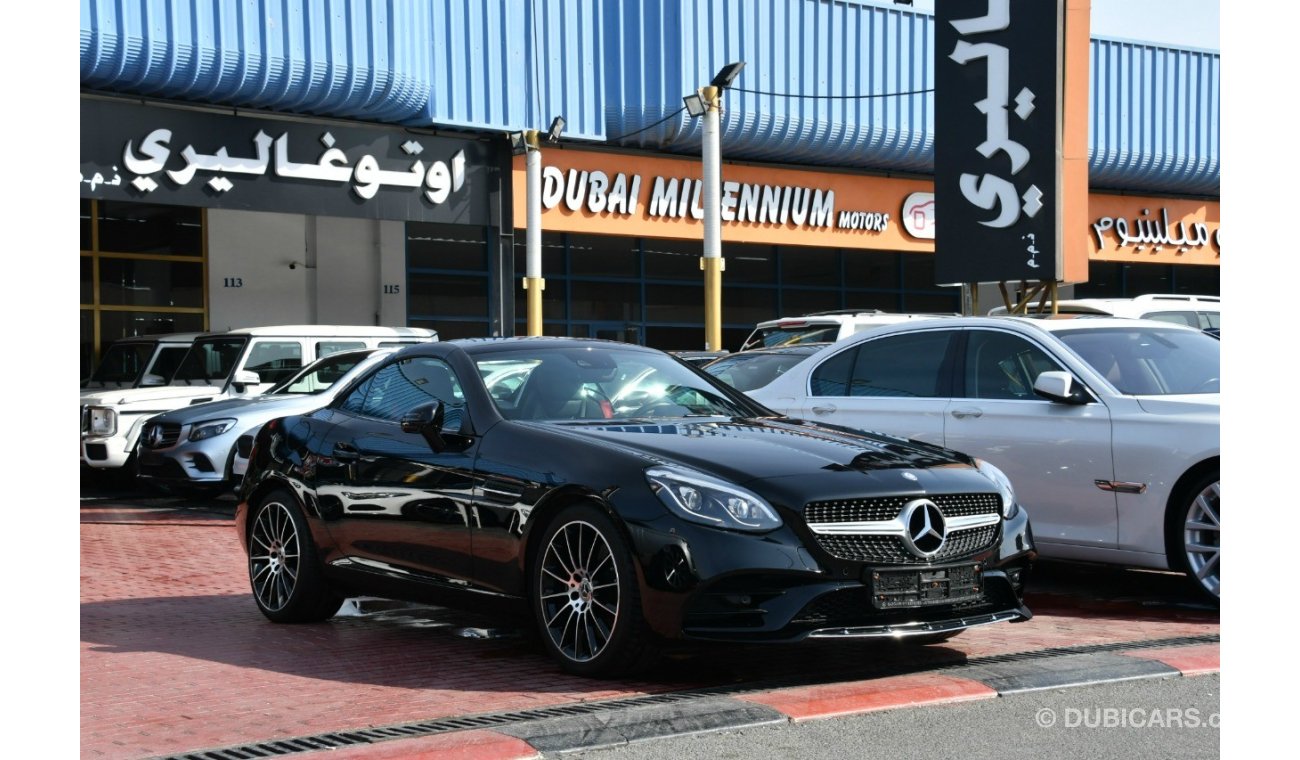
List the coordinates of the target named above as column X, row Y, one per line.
column 189, row 157
column 612, row 193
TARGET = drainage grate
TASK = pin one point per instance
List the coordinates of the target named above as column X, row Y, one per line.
column 446, row 725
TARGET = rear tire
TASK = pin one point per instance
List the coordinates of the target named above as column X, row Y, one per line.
column 1192, row 535
column 585, row 596
column 283, row 568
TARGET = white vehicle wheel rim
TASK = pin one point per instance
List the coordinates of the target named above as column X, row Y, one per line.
column 273, row 556
column 578, row 591
column 1201, row 538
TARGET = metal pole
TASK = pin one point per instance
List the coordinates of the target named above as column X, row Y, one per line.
column 533, row 282
column 711, row 262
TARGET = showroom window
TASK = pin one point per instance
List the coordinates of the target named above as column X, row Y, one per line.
column 448, row 279
column 143, row 269
column 651, row 291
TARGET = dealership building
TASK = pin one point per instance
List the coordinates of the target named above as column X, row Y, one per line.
column 349, row 163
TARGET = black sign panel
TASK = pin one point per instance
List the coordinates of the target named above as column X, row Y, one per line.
column 997, row 148
column 157, row 154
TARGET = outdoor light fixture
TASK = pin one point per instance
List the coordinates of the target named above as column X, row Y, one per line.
column 706, row 103
column 557, row 126
column 727, row 75
column 694, row 105
column 518, row 144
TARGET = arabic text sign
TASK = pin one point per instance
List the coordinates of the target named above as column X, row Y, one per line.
column 997, row 139
column 174, row 156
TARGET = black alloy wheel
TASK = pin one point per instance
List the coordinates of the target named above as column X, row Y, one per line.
column 586, row 601
column 282, row 565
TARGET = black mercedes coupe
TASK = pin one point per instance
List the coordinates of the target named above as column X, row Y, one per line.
column 620, row 498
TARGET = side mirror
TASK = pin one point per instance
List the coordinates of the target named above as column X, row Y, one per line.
column 152, row 381
column 244, row 378
column 1060, row 387
column 426, row 420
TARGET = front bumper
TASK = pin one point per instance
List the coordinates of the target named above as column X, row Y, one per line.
column 204, row 462
column 705, row 584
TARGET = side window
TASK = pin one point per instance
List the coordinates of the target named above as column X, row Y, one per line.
column 402, row 386
column 167, row 361
column 275, row 360
column 1003, row 366
column 327, row 347
column 831, row 378
column 909, row 365
column 356, row 398
column 1209, row 319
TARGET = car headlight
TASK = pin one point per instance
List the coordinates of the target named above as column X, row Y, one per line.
column 210, row 429
column 704, row 499
column 1005, row 491
column 103, row 421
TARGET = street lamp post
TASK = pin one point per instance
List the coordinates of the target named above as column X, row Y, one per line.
column 528, row 142
column 707, row 103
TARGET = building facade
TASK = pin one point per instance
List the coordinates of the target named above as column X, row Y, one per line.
column 321, row 162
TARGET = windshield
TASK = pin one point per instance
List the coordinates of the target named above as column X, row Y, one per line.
column 569, row 384
column 1147, row 361
column 747, row 372
column 792, row 335
column 318, row 377
column 209, row 362
column 122, row 363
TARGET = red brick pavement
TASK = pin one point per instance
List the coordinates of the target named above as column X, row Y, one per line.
column 176, row 657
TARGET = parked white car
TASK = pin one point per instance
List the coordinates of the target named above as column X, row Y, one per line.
column 239, row 363
column 138, row 361
column 824, row 327
column 1194, row 311
column 196, row 446
column 1108, row 428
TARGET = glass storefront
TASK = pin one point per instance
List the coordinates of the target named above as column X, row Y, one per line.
column 142, row 273
column 448, row 278
column 651, row 291
column 1113, row 279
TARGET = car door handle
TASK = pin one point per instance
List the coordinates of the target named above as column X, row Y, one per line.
column 345, row 452
column 965, row 412
column 826, row 409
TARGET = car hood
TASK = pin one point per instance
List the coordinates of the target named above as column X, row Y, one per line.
column 743, row 450
column 1199, row 404
column 128, row 396
column 261, row 407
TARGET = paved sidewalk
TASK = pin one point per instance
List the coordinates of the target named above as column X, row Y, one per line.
column 176, row 658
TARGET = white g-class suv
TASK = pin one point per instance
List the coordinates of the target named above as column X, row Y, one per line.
column 242, row 362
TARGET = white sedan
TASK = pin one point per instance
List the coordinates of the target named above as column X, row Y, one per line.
column 1108, row 428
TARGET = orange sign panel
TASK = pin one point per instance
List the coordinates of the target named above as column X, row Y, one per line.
column 1136, row 229
column 620, row 194
column 642, row 196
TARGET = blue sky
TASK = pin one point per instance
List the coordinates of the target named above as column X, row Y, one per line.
column 1186, row 23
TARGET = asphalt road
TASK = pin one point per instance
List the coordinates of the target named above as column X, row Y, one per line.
column 1150, row 719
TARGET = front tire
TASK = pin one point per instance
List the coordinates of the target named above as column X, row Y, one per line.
column 1194, row 535
column 585, row 596
column 282, row 566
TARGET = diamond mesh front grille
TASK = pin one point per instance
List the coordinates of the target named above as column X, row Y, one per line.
column 889, row 507
column 891, row 550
